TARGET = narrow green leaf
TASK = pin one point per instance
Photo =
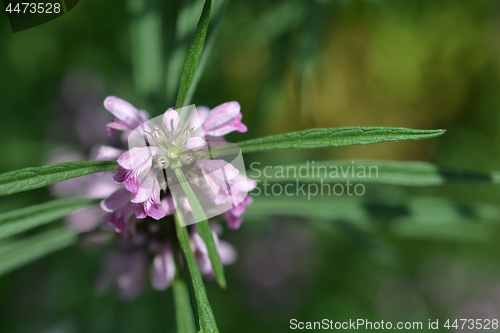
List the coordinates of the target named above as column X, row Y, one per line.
column 183, row 311
column 23, row 219
column 35, row 177
column 14, row 254
column 194, row 54
column 204, row 317
column 185, row 27
column 331, row 137
column 209, row 45
column 413, row 173
column 203, row 228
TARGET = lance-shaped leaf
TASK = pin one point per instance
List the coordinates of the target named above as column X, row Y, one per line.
column 183, row 311
column 35, row 177
column 186, row 26
column 331, row 137
column 203, row 228
column 194, row 54
column 23, row 219
column 209, row 45
column 14, row 254
column 204, row 317
column 413, row 173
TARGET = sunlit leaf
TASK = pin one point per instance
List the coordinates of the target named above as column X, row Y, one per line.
column 331, row 137
column 35, row 177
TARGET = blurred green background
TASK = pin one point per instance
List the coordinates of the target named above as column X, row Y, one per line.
column 291, row 65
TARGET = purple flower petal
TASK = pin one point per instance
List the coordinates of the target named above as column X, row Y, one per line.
column 219, row 169
column 117, row 220
column 149, row 188
column 227, row 253
column 107, row 153
column 171, row 117
column 154, row 210
column 221, row 114
column 116, row 201
column 123, row 110
column 224, row 119
column 168, row 205
column 131, row 280
column 195, row 143
column 137, row 156
column 233, row 216
column 138, row 209
column 101, row 188
column 199, row 243
column 233, row 222
column 163, row 269
column 85, row 219
column 119, row 125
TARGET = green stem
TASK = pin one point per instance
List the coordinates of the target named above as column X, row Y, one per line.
column 183, row 311
column 204, row 317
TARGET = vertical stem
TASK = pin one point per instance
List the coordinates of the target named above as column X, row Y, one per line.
column 204, row 317
column 183, row 311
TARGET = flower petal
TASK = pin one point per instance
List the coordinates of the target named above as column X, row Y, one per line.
column 107, row 153
column 233, row 222
column 168, row 205
column 221, row 114
column 227, row 253
column 163, row 269
column 195, row 143
column 116, row 201
column 137, row 156
column 123, row 110
column 171, row 117
column 224, row 119
column 119, row 125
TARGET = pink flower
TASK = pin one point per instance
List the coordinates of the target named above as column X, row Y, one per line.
column 125, row 271
column 227, row 252
column 127, row 116
column 163, row 268
column 134, row 166
column 234, row 215
column 171, row 144
column 223, row 119
column 218, row 174
column 85, row 219
column 107, row 153
column 120, row 208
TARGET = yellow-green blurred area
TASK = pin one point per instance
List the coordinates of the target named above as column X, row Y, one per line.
column 292, row 65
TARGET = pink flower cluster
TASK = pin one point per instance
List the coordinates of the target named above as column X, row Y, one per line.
column 170, row 145
column 136, row 197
